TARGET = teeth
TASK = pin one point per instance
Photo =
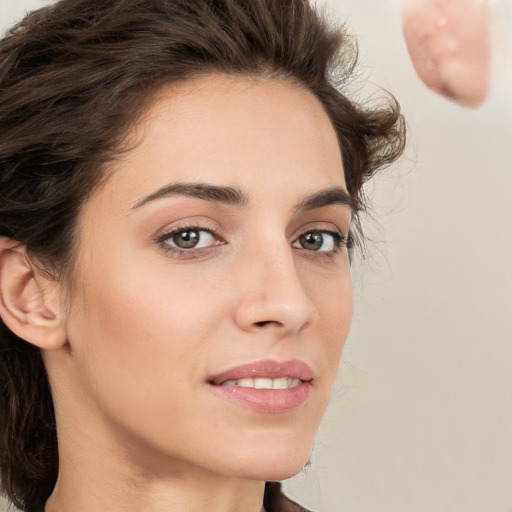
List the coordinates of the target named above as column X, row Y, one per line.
column 293, row 383
column 262, row 383
column 245, row 383
column 281, row 383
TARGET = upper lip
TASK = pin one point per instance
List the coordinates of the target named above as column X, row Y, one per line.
column 268, row 369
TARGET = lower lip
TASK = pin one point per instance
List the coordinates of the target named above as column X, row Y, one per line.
column 271, row 401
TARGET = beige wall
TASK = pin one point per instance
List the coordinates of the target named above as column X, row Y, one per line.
column 421, row 419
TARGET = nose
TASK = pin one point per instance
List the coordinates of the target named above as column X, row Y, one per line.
column 272, row 296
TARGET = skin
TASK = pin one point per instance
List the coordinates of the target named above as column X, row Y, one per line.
column 449, row 45
column 139, row 426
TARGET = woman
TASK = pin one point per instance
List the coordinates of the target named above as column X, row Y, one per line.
column 178, row 184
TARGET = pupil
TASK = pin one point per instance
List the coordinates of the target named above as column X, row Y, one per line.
column 186, row 239
column 312, row 241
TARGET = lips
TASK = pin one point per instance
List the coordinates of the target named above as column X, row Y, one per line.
column 265, row 386
column 266, row 369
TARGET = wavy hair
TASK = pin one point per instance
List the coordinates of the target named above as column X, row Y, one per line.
column 74, row 76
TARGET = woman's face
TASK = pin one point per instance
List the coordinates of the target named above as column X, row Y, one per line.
column 211, row 269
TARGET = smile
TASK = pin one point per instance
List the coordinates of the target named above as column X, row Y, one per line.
column 265, row 386
column 263, row 383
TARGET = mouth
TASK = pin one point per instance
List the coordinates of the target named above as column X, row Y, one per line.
column 265, row 386
column 263, row 383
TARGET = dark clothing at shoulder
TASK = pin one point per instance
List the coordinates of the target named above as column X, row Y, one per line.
column 276, row 501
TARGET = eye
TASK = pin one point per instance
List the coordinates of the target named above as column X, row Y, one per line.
column 189, row 238
column 320, row 241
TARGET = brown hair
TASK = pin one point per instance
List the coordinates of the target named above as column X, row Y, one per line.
column 73, row 78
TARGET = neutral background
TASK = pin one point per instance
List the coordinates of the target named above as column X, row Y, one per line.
column 421, row 419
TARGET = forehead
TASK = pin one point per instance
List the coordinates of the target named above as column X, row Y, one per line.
column 249, row 133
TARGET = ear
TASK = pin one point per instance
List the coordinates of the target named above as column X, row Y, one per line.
column 30, row 304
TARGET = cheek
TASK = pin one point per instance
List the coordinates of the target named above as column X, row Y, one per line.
column 341, row 312
column 333, row 299
column 139, row 336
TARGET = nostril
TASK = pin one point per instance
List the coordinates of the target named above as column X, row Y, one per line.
column 265, row 323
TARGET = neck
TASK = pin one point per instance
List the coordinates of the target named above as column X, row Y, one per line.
column 156, row 497
column 103, row 468
column 90, row 484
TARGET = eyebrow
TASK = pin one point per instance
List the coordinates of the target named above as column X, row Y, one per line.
column 215, row 193
column 235, row 197
column 328, row 197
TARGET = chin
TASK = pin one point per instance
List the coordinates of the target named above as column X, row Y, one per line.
column 269, row 464
column 273, row 471
column 283, row 473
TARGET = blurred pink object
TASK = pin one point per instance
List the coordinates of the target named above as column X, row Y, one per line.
column 449, row 44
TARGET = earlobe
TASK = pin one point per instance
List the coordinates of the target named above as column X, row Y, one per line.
column 29, row 303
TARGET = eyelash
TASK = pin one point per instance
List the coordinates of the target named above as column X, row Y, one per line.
column 192, row 252
column 340, row 241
